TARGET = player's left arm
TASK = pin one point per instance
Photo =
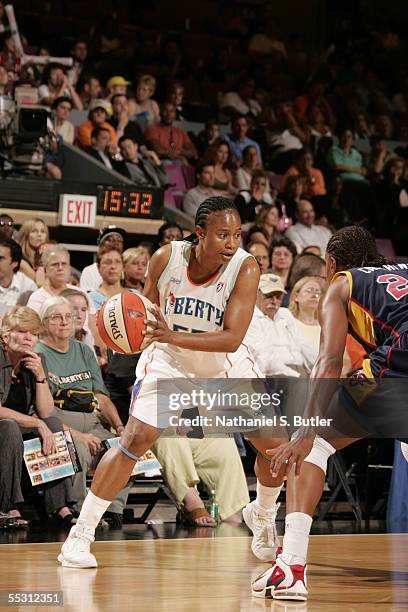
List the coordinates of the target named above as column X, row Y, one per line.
column 333, row 318
column 237, row 317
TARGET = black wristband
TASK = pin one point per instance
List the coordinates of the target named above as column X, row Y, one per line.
column 41, row 382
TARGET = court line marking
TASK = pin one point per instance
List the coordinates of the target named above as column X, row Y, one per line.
column 219, row 539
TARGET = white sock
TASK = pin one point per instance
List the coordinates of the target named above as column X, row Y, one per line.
column 92, row 510
column 267, row 496
column 296, row 538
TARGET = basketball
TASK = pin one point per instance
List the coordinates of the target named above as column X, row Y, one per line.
column 121, row 322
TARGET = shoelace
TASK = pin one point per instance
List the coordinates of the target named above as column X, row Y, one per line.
column 84, row 535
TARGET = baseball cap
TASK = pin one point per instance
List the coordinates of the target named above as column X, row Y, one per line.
column 109, row 231
column 269, row 283
column 117, row 80
column 101, row 104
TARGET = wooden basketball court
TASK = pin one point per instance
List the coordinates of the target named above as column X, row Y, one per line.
column 346, row 572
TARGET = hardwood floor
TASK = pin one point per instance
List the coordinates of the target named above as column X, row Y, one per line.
column 346, row 573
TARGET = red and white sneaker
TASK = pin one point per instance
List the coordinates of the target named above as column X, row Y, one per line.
column 282, row 581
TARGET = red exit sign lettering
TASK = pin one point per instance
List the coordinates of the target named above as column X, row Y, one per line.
column 77, row 210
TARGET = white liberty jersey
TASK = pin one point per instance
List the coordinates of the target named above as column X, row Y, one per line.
column 194, row 308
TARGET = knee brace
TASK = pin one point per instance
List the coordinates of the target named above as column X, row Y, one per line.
column 320, row 453
column 404, row 450
column 127, row 452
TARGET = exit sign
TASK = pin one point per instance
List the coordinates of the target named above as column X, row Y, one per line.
column 77, row 210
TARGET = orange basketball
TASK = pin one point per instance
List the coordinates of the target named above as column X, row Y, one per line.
column 121, row 322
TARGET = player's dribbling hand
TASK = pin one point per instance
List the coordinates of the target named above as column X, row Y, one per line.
column 158, row 330
column 290, row 454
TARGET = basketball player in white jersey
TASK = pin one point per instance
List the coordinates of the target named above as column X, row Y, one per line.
column 208, row 285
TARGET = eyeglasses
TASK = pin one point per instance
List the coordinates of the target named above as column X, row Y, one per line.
column 311, row 291
column 6, row 223
column 59, row 318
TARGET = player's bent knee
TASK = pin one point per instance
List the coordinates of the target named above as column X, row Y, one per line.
column 320, row 453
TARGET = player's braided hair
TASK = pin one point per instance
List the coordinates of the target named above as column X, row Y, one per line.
column 354, row 247
column 209, row 206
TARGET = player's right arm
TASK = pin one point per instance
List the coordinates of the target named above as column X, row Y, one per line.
column 156, row 267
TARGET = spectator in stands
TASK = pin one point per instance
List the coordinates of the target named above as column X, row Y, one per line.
column 257, row 234
column 261, row 253
column 304, row 300
column 379, row 156
column 116, row 85
column 208, row 137
column 26, row 411
column 4, row 81
column 89, row 90
column 315, row 94
column 308, row 264
column 345, row 159
column 266, row 43
column 305, row 232
column 97, row 116
column 282, row 254
column 242, row 101
column 186, row 462
column 120, row 120
column 220, row 155
column 220, row 69
column 274, row 336
column 56, row 85
column 204, row 189
column 7, row 226
column 168, row 141
column 80, row 303
column 400, row 100
column 250, row 162
column 140, row 169
column 79, row 54
column 303, row 166
column 289, row 136
column 57, row 267
column 61, row 108
column 110, row 236
column 75, row 370
column 238, row 139
column 318, row 122
column 292, row 194
column 101, row 150
column 175, row 95
column 268, row 218
column 135, row 262
column 169, row 232
column 384, row 127
column 110, row 267
column 249, row 203
column 391, row 204
column 147, row 110
column 13, row 283
column 32, row 236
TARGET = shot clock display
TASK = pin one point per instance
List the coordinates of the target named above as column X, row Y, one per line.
column 131, row 203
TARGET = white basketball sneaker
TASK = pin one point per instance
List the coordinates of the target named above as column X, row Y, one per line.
column 282, row 581
column 404, row 449
column 262, row 524
column 75, row 551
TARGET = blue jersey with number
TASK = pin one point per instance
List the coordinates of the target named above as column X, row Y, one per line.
column 378, row 314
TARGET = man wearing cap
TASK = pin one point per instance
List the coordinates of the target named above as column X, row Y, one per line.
column 98, row 113
column 116, row 85
column 108, row 237
column 274, row 336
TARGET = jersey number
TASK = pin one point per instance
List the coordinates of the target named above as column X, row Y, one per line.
column 397, row 286
column 186, row 329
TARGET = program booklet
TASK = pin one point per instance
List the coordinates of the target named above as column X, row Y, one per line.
column 45, row 468
column 148, row 464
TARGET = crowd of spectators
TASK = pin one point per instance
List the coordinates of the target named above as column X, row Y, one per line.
column 303, row 142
